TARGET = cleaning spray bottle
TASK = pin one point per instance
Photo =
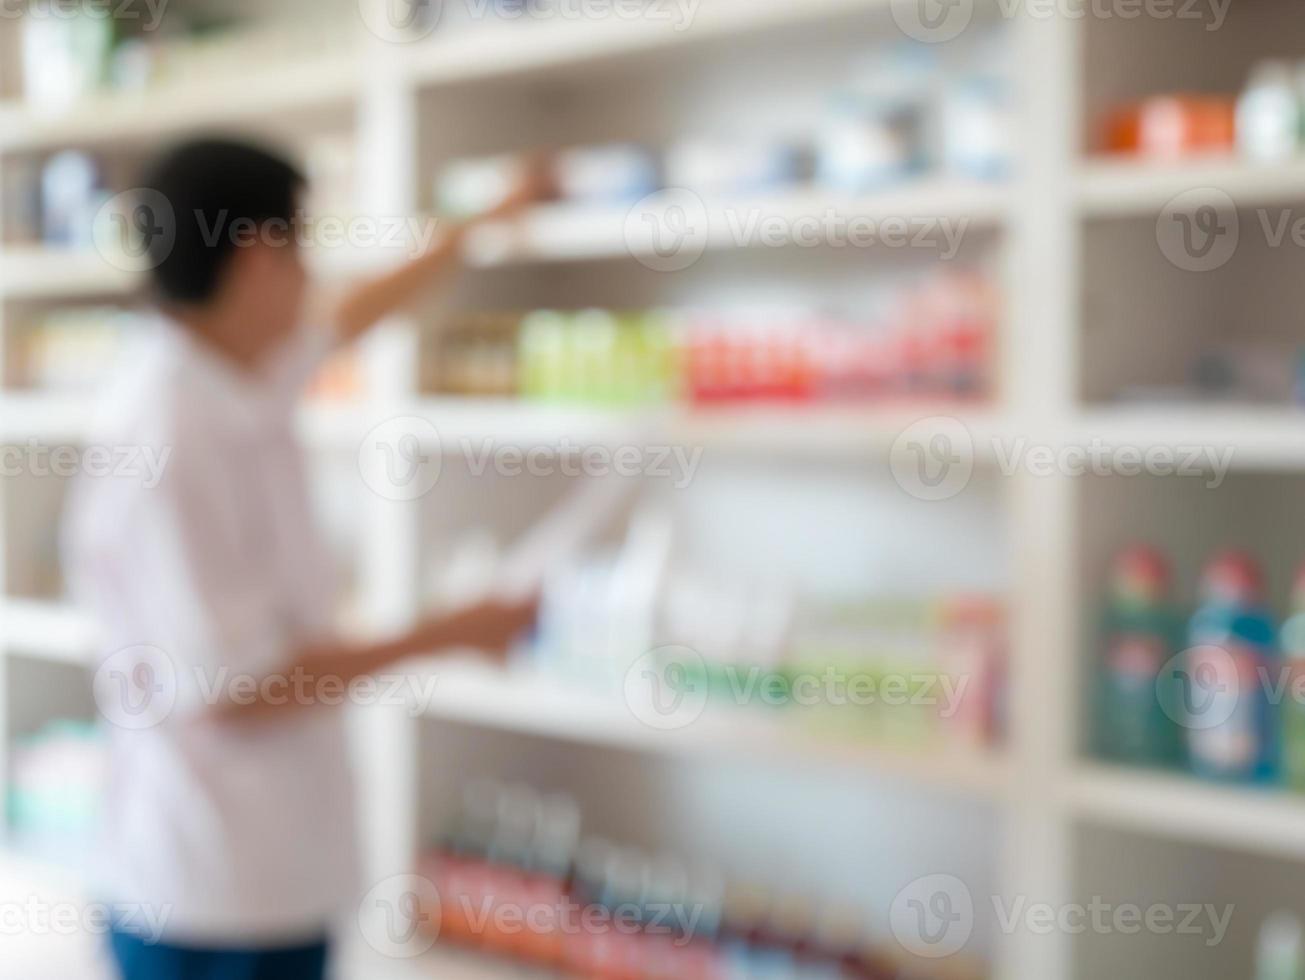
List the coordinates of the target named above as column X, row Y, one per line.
column 1231, row 728
column 1140, row 631
column 1292, row 641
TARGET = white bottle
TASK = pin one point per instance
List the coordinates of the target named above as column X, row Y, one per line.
column 1269, row 114
column 1279, row 954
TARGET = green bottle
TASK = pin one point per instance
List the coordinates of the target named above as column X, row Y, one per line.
column 1134, row 722
column 1293, row 704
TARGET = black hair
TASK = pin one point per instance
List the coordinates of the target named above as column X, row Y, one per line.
column 193, row 196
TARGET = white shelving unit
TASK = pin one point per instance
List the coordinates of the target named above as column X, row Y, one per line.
column 1121, row 188
column 1263, row 821
column 258, row 94
column 565, row 233
column 49, row 630
column 1036, row 786
column 548, row 234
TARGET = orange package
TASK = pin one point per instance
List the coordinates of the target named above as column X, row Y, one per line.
column 1173, row 126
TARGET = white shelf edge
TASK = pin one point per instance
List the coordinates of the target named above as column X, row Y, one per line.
column 45, row 630
column 498, row 52
column 43, row 416
column 1263, row 820
column 455, row 425
column 165, row 110
column 1258, row 437
column 554, row 233
column 55, row 417
column 570, row 233
column 1124, row 187
column 337, row 79
column 1266, row 438
column 518, row 702
column 869, row 430
column 45, row 273
column 36, row 272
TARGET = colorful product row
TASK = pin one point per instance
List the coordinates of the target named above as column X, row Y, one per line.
column 1224, row 696
column 934, row 344
column 889, row 669
column 515, row 878
column 1266, row 123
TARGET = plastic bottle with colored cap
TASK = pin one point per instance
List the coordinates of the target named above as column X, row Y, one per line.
column 1226, row 675
column 1135, row 722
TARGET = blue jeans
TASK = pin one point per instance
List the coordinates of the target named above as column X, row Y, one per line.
column 139, row 960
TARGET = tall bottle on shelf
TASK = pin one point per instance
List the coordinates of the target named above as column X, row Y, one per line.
column 1280, row 951
column 1231, row 728
column 1140, row 638
column 1292, row 639
column 1269, row 114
